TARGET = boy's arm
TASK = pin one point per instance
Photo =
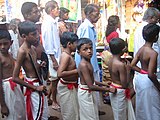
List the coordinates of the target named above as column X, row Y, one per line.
column 152, row 70
column 88, row 79
column 55, row 63
column 4, row 108
column 107, row 83
column 123, row 75
column 15, row 77
column 134, row 62
column 64, row 63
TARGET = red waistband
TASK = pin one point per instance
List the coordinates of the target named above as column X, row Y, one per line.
column 143, row 72
column 69, row 85
column 126, row 92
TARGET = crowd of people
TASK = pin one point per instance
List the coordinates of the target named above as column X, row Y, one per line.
column 29, row 58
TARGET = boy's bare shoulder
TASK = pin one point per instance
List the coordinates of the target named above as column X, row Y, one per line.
column 82, row 64
column 22, row 51
column 65, row 57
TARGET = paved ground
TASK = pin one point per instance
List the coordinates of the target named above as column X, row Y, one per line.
column 104, row 107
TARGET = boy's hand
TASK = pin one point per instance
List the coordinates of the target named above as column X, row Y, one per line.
column 4, row 111
column 40, row 88
column 55, row 65
column 107, row 83
column 112, row 90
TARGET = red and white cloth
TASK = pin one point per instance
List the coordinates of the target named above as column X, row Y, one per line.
column 67, row 93
column 14, row 100
column 88, row 103
column 36, row 103
column 121, row 103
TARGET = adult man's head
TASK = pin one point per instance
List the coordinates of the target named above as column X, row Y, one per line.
column 52, row 9
column 30, row 12
column 151, row 15
column 92, row 13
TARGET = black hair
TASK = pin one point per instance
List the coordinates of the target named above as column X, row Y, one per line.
column 4, row 34
column 90, row 8
column 83, row 41
column 27, row 8
column 68, row 37
column 150, row 31
column 116, row 45
column 113, row 22
column 63, row 11
column 50, row 5
column 26, row 27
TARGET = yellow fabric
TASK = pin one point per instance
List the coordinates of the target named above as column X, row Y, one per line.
column 131, row 42
column 106, row 55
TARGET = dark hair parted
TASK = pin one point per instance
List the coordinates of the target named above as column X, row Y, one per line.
column 113, row 22
column 27, row 8
column 116, row 45
column 90, row 8
column 50, row 5
column 150, row 32
column 83, row 41
column 68, row 37
column 63, row 11
column 4, row 34
column 26, row 27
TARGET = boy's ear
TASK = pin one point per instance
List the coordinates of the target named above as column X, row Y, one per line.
column 69, row 43
column 23, row 36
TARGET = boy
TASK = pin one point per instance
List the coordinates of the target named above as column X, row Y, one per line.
column 36, row 105
column 67, row 72
column 120, row 75
column 147, row 87
column 88, row 86
column 11, row 97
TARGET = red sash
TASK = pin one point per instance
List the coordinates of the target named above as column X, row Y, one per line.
column 29, row 102
column 69, row 85
column 126, row 92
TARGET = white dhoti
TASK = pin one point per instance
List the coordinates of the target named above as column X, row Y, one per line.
column 87, row 103
column 147, row 98
column 36, row 103
column 14, row 100
column 67, row 93
column 121, row 105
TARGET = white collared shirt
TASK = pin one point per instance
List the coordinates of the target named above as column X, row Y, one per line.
column 50, row 36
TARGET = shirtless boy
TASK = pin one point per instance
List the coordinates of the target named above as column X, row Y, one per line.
column 147, row 87
column 11, row 97
column 88, row 86
column 67, row 72
column 36, row 105
column 120, row 75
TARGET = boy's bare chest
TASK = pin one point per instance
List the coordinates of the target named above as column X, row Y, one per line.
column 7, row 62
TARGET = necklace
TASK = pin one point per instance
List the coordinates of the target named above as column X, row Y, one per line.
column 67, row 52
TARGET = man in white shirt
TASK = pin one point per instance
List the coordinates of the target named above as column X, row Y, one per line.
column 51, row 44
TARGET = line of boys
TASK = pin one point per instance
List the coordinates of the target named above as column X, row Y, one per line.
column 85, row 69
